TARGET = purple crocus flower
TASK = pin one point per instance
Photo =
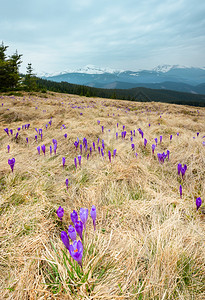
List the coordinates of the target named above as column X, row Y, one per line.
column 11, row 163
column 145, row 142
column 99, row 149
column 11, row 131
column 109, row 155
column 180, row 191
column 43, row 147
column 160, row 139
column 36, row 130
column 79, row 229
column 39, row 149
column 88, row 156
column 17, row 135
column 93, row 215
column 76, row 251
column 79, row 160
column 179, row 167
column 66, row 183
column 27, row 140
column 160, row 157
column 84, row 216
column 116, row 135
column 65, row 240
column 74, row 216
column 197, row 135
column 170, row 137
column 72, row 233
column 8, row 148
column 36, row 138
column 155, row 141
column 153, row 148
column 55, row 148
column 133, row 146
column 60, row 212
column 75, row 162
column 94, row 146
column 198, row 203
column 102, row 152
column 102, row 128
column 6, row 130
column 50, row 150
column 177, row 133
column 123, row 127
column 183, row 171
column 63, row 161
column 76, row 144
column 168, row 152
column 114, row 152
column 91, row 150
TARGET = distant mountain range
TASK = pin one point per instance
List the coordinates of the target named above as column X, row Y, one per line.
column 166, row 77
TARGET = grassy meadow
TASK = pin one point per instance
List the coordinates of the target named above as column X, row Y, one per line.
column 149, row 242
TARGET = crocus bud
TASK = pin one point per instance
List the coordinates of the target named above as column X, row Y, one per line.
column 72, row 233
column 63, row 161
column 74, row 217
column 160, row 139
column 180, row 191
column 39, row 149
column 84, row 216
column 198, row 202
column 109, row 155
column 79, row 228
column 66, row 183
column 79, row 160
column 43, row 147
column 8, row 148
column 60, row 212
column 153, row 147
column 179, row 167
column 93, row 215
column 65, row 240
column 75, row 162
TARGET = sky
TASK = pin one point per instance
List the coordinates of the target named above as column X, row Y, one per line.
column 59, row 35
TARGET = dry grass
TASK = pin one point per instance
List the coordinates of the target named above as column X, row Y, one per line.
column 149, row 243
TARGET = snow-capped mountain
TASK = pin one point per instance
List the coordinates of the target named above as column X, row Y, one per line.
column 105, row 77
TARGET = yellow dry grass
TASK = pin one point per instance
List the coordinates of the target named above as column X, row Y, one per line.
column 149, row 243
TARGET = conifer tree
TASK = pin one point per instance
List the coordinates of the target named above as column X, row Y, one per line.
column 9, row 69
column 30, row 79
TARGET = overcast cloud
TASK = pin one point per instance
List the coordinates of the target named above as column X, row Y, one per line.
column 121, row 34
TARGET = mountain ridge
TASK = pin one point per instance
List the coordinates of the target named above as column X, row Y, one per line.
column 179, row 76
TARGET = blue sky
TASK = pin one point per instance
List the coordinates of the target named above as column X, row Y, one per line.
column 57, row 35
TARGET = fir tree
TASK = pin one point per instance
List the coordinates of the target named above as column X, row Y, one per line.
column 30, row 79
column 9, row 69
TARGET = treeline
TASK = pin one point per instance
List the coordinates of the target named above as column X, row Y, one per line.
column 139, row 94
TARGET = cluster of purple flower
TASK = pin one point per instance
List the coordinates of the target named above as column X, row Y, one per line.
column 76, row 249
column 182, row 170
column 163, row 156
